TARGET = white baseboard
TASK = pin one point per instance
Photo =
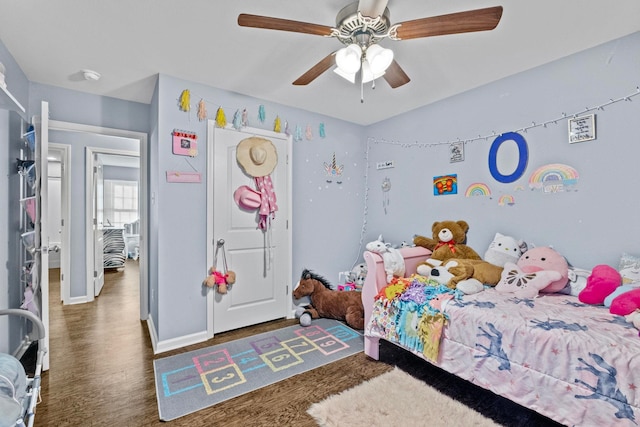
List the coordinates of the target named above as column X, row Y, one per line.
column 152, row 333
column 180, row 342
column 77, row 300
column 173, row 343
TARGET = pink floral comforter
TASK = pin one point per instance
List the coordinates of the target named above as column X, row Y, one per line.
column 575, row 363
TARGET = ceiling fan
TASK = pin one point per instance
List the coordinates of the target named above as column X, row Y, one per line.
column 361, row 26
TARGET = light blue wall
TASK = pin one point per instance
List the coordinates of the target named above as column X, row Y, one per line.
column 591, row 226
column 326, row 217
column 78, row 107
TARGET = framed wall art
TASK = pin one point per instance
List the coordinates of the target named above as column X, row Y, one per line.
column 582, row 128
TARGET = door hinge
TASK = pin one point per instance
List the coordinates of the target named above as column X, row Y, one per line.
column 287, row 290
column 62, row 222
column 95, row 169
column 95, row 274
column 62, row 277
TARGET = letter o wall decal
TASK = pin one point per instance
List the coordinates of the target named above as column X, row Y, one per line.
column 523, row 157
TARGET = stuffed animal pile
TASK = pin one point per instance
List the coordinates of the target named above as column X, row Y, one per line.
column 452, row 262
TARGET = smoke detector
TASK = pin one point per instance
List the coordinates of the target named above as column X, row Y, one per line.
column 91, row 75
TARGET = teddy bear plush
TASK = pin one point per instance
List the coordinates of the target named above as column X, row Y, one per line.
column 447, row 241
column 220, row 281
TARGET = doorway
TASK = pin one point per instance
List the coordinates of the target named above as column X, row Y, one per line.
column 59, row 238
column 113, row 212
column 94, row 136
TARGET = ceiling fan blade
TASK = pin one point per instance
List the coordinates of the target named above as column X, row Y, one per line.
column 257, row 21
column 461, row 22
column 395, row 75
column 372, row 8
column 316, row 70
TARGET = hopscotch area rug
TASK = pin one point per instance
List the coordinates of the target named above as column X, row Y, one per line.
column 191, row 381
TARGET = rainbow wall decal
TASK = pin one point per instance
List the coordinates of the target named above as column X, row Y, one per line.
column 477, row 189
column 554, row 178
column 507, row 200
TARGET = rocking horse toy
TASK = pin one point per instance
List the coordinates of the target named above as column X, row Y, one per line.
column 339, row 305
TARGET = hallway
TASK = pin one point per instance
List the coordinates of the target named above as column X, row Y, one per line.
column 100, row 356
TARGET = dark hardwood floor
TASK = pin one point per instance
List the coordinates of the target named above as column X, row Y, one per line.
column 101, row 369
column 101, row 372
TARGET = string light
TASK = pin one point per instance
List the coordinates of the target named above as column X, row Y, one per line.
column 366, row 203
column 524, row 129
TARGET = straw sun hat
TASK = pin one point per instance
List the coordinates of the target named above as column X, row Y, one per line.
column 257, row 156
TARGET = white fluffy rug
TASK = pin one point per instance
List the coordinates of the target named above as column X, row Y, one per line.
column 394, row 398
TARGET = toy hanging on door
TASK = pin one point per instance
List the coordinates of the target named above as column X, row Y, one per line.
column 220, row 279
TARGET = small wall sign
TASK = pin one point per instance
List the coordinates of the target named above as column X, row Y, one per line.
column 184, row 143
column 582, row 128
column 456, row 152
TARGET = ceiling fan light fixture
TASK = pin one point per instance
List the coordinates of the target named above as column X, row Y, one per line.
column 348, row 58
column 368, row 73
column 351, row 77
column 379, row 58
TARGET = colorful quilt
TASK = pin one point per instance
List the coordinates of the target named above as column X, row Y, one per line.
column 410, row 311
column 573, row 362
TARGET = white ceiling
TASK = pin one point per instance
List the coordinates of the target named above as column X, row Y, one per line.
column 130, row 41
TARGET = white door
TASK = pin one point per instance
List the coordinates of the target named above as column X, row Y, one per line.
column 98, row 224
column 41, row 255
column 261, row 261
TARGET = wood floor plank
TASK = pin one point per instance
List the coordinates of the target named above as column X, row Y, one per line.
column 102, row 368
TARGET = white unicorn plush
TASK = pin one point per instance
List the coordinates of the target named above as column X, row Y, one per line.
column 391, row 257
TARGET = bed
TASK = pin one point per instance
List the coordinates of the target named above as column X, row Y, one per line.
column 574, row 363
column 19, row 393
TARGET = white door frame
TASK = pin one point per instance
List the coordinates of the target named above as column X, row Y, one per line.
column 65, row 210
column 144, row 209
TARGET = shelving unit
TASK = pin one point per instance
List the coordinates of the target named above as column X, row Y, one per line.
column 9, row 102
column 30, row 290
